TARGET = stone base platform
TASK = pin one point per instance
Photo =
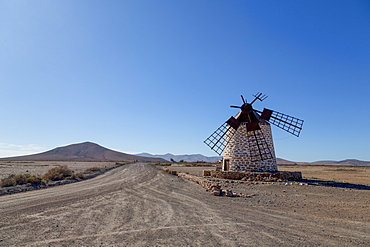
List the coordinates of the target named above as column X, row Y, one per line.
column 255, row 176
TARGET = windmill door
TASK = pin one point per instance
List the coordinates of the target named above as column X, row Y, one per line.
column 226, row 164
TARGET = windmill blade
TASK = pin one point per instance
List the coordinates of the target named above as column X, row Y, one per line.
column 259, row 96
column 233, row 106
column 242, row 99
column 219, row 139
column 283, row 121
column 258, row 147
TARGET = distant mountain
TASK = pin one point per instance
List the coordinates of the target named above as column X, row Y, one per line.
column 199, row 157
column 280, row 161
column 86, row 151
column 185, row 157
column 347, row 162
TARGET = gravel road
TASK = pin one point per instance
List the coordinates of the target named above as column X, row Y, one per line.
column 140, row 205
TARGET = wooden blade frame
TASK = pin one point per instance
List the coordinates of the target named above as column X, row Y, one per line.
column 283, row 121
column 219, row 139
column 259, row 149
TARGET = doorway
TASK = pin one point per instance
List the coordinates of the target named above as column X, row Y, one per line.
column 226, row 164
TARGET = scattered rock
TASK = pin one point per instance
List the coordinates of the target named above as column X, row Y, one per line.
column 212, row 185
column 228, row 193
column 216, row 192
column 206, row 173
column 256, row 176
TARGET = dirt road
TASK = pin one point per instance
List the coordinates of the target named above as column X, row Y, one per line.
column 140, row 205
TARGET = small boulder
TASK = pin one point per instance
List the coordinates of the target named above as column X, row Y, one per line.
column 216, row 192
column 229, row 193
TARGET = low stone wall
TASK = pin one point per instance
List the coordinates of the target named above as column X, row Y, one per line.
column 169, row 171
column 206, row 173
column 255, row 176
column 205, row 183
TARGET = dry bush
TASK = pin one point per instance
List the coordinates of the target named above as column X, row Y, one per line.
column 122, row 163
column 93, row 169
column 161, row 164
column 34, row 179
column 21, row 178
column 58, row 173
column 198, row 164
column 79, row 175
column 6, row 182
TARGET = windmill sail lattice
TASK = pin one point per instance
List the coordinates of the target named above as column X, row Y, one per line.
column 283, row 121
column 220, row 138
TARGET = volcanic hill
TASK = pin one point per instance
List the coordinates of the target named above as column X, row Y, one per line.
column 86, row 151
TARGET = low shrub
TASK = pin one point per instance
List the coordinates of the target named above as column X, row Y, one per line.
column 121, row 163
column 34, row 179
column 161, row 164
column 93, row 169
column 6, row 182
column 58, row 173
column 21, row 178
column 79, row 175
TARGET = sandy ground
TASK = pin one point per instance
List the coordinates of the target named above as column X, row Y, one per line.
column 141, row 205
column 347, row 174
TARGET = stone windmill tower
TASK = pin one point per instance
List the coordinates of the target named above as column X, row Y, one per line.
column 246, row 139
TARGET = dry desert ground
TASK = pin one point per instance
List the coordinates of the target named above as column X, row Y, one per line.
column 141, row 205
column 41, row 167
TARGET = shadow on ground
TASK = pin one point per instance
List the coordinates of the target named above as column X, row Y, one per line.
column 336, row 184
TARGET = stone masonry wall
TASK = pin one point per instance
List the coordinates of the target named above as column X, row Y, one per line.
column 239, row 151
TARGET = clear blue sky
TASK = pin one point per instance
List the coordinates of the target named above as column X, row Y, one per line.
column 159, row 76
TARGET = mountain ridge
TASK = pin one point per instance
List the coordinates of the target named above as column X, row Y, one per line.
column 280, row 161
column 185, row 157
column 85, row 151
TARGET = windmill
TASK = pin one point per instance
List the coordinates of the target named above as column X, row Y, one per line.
column 246, row 139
